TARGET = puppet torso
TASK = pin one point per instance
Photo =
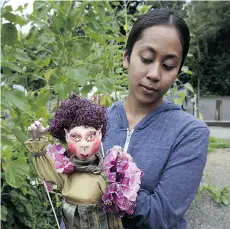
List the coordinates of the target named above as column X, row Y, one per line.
column 84, row 188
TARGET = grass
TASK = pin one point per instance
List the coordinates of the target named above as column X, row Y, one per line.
column 215, row 143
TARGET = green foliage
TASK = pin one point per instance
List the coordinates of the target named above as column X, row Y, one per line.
column 215, row 143
column 73, row 48
column 27, row 207
column 219, row 195
column 209, row 24
column 16, row 171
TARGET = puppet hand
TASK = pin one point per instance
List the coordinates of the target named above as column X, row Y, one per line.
column 36, row 129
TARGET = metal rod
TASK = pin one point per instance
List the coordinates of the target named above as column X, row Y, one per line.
column 55, row 215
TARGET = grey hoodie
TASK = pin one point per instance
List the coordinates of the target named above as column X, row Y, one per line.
column 170, row 147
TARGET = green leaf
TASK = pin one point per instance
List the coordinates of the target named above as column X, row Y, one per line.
column 224, row 190
column 20, row 21
column 22, row 137
column 39, row 5
column 21, row 55
column 29, row 208
column 6, row 152
column 9, row 34
column 200, row 116
column 17, row 196
column 46, row 62
column 6, row 141
column 179, row 97
column 80, row 75
column 19, row 99
column 48, row 74
column 106, row 100
column 189, row 87
column 8, row 8
column 12, row 66
column 20, row 9
column 16, row 172
column 86, row 89
column 62, row 90
column 41, row 8
column 224, row 200
column 3, row 213
column 9, row 16
column 25, row 5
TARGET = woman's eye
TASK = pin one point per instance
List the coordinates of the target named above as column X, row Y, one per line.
column 146, row 60
column 168, row 67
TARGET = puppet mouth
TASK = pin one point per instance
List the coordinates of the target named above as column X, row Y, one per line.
column 84, row 158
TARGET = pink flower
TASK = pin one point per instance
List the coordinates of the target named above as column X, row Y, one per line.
column 124, row 182
column 64, row 165
column 61, row 162
column 114, row 201
column 49, row 186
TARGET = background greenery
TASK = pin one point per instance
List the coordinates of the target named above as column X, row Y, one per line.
column 78, row 46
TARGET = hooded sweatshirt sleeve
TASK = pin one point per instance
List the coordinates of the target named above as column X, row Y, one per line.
column 178, row 184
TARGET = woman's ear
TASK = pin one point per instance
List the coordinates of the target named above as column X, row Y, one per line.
column 125, row 60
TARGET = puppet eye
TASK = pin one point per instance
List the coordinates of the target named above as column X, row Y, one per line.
column 75, row 137
column 91, row 136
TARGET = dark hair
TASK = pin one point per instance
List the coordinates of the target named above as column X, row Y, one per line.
column 159, row 17
column 76, row 111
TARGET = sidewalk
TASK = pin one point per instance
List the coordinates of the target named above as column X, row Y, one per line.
column 204, row 213
column 220, row 132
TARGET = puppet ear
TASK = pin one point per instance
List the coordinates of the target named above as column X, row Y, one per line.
column 99, row 132
column 66, row 135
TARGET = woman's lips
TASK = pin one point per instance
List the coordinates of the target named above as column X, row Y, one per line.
column 148, row 90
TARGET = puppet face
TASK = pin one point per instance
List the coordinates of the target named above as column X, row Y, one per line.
column 83, row 142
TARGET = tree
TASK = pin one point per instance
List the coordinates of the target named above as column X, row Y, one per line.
column 210, row 27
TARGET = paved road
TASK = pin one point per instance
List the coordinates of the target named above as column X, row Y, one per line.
column 220, row 132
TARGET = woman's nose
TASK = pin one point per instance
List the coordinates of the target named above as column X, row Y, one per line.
column 154, row 73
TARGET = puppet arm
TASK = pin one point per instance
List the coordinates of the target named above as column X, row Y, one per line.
column 46, row 170
column 44, row 164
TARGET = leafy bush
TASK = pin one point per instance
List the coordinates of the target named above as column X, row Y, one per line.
column 71, row 47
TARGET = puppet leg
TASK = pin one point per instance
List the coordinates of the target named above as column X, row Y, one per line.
column 115, row 222
column 92, row 216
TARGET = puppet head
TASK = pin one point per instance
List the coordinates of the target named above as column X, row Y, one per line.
column 81, row 124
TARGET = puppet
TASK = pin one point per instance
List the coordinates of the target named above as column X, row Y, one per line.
column 96, row 192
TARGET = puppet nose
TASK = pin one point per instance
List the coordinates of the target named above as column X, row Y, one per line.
column 84, row 148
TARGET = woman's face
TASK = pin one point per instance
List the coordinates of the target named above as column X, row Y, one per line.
column 84, row 142
column 154, row 64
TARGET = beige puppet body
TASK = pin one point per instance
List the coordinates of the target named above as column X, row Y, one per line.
column 82, row 191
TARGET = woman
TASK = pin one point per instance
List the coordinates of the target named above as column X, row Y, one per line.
column 167, row 144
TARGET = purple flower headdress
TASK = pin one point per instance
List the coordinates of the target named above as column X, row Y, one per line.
column 124, row 180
